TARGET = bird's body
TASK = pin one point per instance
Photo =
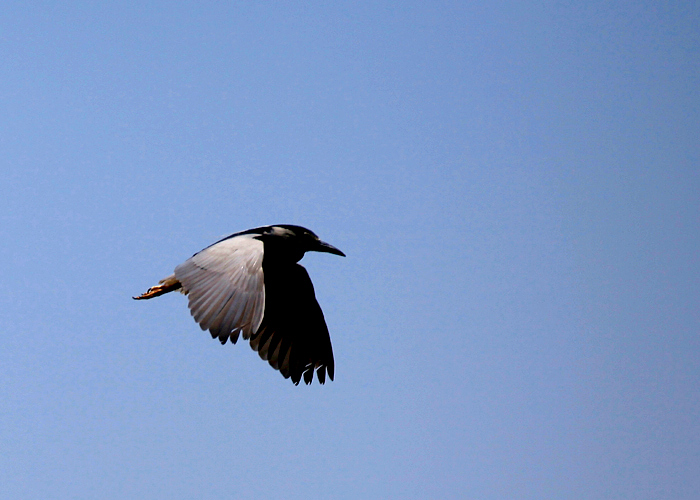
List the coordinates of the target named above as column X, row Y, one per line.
column 250, row 283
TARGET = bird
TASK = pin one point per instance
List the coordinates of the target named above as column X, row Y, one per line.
column 251, row 284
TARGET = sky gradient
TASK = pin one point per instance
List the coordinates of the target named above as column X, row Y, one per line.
column 516, row 188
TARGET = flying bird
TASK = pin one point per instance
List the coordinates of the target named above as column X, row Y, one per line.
column 250, row 284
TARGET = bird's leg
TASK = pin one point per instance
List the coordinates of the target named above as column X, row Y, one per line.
column 166, row 285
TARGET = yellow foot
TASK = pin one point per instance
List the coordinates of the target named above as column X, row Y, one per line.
column 154, row 291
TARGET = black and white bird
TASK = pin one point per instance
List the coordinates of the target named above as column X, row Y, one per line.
column 250, row 284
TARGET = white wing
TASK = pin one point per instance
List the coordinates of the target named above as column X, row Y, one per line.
column 225, row 287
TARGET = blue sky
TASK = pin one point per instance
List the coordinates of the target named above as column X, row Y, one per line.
column 515, row 187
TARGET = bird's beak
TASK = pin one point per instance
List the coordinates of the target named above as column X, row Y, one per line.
column 322, row 246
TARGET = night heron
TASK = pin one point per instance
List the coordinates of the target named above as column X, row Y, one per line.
column 250, row 284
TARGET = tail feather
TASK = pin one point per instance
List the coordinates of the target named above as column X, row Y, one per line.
column 169, row 284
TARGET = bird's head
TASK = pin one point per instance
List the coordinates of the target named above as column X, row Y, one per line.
column 294, row 241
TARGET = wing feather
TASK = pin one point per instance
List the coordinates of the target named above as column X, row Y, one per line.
column 230, row 294
column 225, row 286
column 293, row 336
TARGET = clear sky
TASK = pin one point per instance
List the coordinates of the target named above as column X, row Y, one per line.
column 516, row 187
